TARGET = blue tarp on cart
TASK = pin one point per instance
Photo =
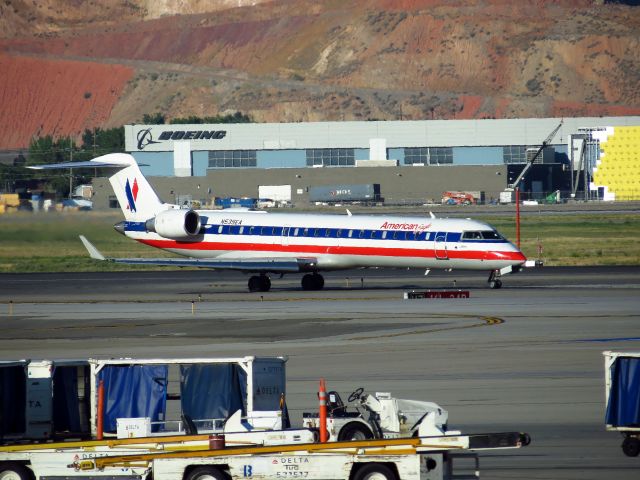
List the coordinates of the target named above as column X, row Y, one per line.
column 623, row 409
column 134, row 391
column 213, row 391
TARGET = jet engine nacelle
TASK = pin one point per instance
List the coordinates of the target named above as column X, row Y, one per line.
column 176, row 224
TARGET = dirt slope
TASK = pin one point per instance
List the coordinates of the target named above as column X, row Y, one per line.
column 301, row 60
column 40, row 97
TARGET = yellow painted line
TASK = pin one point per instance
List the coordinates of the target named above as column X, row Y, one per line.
column 485, row 321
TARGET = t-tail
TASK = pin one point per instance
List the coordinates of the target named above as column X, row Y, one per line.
column 138, row 200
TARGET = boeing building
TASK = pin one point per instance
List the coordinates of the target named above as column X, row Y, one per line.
column 410, row 162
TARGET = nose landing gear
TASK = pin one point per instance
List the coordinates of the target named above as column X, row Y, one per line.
column 494, row 279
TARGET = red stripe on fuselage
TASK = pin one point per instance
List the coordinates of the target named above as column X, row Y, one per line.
column 339, row 250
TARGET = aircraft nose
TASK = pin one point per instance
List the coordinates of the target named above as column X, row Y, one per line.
column 119, row 227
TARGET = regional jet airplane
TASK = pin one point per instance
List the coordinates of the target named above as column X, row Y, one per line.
column 262, row 243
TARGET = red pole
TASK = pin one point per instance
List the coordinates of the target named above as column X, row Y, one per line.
column 100, row 412
column 518, row 217
column 322, row 396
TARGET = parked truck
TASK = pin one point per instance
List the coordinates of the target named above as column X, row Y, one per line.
column 331, row 194
column 622, row 394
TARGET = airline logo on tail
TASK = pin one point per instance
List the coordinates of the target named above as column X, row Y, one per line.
column 132, row 194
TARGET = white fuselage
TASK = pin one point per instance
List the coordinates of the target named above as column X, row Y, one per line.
column 342, row 241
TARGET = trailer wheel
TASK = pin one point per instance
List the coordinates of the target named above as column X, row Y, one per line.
column 631, row 446
column 375, row 471
column 206, row 473
column 14, row 471
column 354, row 431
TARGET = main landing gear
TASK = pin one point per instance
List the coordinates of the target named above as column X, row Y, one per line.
column 494, row 279
column 312, row 281
column 262, row 283
column 259, row 283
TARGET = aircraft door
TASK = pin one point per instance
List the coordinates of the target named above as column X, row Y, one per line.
column 440, row 246
column 287, row 231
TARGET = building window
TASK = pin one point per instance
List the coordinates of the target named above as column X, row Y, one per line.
column 330, row 157
column 416, row 155
column 232, row 158
column 514, row 154
column 113, row 202
column 428, row 155
column 440, row 155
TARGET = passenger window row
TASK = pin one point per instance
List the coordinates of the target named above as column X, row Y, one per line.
column 303, row 232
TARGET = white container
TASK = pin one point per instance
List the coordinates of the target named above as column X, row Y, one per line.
column 133, row 427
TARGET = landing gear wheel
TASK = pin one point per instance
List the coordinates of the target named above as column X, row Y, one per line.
column 312, row 281
column 631, row 446
column 375, row 471
column 206, row 473
column 355, row 395
column 14, row 471
column 260, row 283
column 354, row 431
column 494, row 279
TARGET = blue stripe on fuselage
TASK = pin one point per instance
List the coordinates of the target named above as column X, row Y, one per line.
column 303, row 232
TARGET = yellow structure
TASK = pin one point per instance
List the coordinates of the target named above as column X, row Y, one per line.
column 618, row 169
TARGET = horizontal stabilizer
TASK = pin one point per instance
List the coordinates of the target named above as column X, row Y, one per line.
column 110, row 160
column 89, row 164
column 93, row 251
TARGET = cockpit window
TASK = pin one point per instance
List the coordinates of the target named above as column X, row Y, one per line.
column 491, row 235
column 472, row 236
column 481, row 235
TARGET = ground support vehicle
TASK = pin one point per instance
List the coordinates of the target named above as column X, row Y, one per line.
column 622, row 394
column 42, row 460
column 418, row 458
column 461, row 198
column 379, row 415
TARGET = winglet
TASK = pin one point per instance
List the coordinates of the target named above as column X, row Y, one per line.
column 93, row 251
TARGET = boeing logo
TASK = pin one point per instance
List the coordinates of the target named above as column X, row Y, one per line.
column 145, row 138
column 193, row 135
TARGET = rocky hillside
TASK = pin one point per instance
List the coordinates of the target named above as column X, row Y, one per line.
column 303, row 60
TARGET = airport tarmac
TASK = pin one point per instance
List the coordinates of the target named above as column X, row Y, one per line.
column 527, row 357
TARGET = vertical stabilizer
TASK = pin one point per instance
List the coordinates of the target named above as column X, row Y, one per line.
column 138, row 200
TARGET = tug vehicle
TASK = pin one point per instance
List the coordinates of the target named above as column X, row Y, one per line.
column 368, row 416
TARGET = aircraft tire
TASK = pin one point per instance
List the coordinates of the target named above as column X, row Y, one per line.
column 265, row 283
column 254, row 283
column 495, row 284
column 312, row 281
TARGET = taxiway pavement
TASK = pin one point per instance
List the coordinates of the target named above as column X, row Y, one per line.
column 527, row 357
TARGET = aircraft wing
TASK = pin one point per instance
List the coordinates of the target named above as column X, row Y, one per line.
column 267, row 264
